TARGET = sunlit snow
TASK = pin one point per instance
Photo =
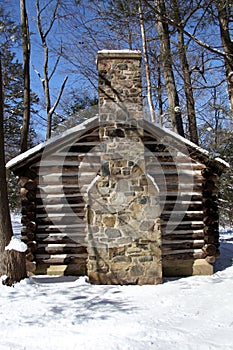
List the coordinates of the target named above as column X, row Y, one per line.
column 56, row 313
column 16, row 244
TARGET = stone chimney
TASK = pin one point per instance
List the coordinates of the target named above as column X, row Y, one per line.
column 120, row 80
column 123, row 230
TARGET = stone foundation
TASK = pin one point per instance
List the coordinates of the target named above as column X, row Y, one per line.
column 187, row 268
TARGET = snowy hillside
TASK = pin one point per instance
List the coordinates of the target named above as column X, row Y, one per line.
column 56, row 313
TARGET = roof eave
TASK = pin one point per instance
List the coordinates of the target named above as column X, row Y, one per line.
column 34, row 153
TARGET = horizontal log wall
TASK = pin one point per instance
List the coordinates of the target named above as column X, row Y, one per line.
column 58, row 205
column 28, row 190
column 61, row 245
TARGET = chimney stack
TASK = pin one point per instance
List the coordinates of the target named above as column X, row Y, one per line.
column 123, row 229
column 120, row 79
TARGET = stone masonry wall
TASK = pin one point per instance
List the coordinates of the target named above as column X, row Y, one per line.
column 123, row 227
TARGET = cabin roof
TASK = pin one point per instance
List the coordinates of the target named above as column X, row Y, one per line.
column 165, row 135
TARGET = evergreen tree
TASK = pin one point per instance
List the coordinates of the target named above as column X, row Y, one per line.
column 12, row 262
column 226, row 180
column 75, row 110
column 12, row 73
column 217, row 137
column 12, row 76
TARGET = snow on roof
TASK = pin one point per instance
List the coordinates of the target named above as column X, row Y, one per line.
column 181, row 139
column 223, row 162
column 178, row 137
column 26, row 155
column 156, row 129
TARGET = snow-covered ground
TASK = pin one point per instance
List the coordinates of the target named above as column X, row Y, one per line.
column 56, row 313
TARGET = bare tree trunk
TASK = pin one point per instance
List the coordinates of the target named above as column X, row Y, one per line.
column 159, row 89
column 146, row 59
column 224, row 20
column 26, row 67
column 47, row 91
column 5, row 222
column 165, row 52
column 45, row 80
column 46, row 76
column 187, row 78
column 12, row 263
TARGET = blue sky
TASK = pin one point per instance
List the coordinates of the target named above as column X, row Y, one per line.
column 80, row 32
column 37, row 55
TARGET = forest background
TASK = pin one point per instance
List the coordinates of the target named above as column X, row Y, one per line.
column 187, row 69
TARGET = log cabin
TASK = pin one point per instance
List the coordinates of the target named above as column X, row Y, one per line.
column 117, row 197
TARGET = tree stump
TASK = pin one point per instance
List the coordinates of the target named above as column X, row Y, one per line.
column 13, row 266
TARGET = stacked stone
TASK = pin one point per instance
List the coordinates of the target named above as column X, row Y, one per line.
column 124, row 235
column 120, row 79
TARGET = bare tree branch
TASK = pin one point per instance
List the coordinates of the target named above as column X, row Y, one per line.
column 188, row 34
column 53, row 18
column 46, row 76
column 56, row 64
column 59, row 96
